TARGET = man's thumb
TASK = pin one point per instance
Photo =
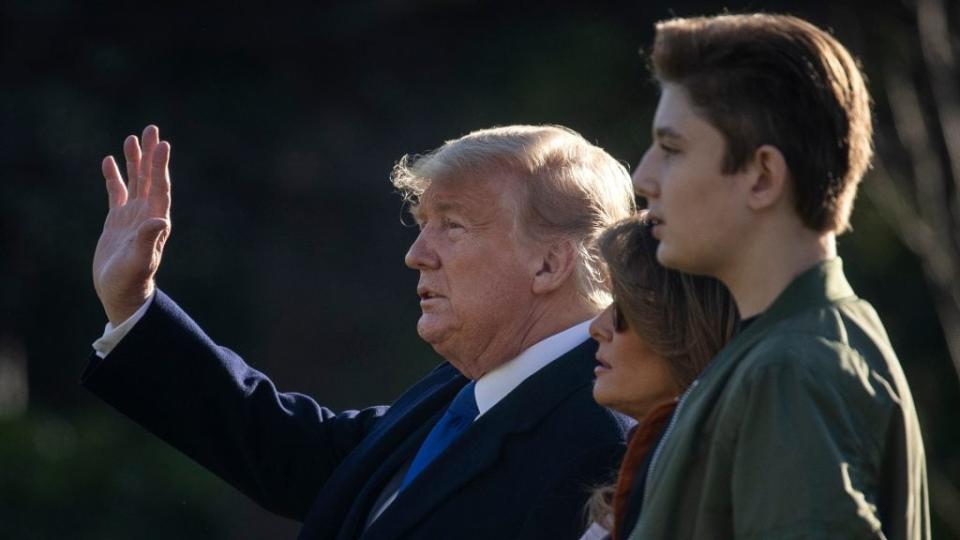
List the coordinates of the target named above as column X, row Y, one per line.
column 152, row 231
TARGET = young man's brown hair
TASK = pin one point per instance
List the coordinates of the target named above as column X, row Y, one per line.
column 778, row 80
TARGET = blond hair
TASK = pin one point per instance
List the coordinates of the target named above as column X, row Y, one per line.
column 566, row 187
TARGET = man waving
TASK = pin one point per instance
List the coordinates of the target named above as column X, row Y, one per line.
column 503, row 440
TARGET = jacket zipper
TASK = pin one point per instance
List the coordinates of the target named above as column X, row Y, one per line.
column 663, row 440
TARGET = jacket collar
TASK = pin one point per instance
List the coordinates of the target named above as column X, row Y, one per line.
column 363, row 471
column 478, row 448
column 820, row 285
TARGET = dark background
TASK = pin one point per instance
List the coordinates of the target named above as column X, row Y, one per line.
column 285, row 119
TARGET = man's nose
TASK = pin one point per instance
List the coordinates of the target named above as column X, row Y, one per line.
column 421, row 255
column 645, row 182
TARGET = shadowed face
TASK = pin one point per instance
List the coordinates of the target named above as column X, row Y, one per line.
column 631, row 377
column 476, row 273
column 699, row 211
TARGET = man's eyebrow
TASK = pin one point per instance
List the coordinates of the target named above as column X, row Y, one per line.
column 448, row 206
column 419, row 211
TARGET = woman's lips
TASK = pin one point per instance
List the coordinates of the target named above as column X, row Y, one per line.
column 602, row 366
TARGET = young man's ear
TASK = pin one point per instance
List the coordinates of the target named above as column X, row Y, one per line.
column 770, row 181
column 555, row 267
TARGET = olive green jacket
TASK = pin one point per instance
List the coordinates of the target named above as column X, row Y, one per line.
column 802, row 427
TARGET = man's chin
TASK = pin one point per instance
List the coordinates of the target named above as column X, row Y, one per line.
column 670, row 258
column 676, row 260
column 432, row 333
column 664, row 255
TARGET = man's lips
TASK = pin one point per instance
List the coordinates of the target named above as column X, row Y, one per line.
column 427, row 294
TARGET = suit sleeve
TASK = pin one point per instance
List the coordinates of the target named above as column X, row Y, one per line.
column 806, row 455
column 171, row 378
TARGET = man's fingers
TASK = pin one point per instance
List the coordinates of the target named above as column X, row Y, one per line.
column 159, row 198
column 116, row 191
column 131, row 153
column 151, row 136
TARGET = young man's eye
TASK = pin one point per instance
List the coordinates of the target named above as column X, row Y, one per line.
column 668, row 149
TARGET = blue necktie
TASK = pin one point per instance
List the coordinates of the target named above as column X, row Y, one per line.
column 455, row 421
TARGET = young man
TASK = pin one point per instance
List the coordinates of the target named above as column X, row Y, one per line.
column 803, row 426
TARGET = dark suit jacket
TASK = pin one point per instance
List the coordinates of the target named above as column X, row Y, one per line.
column 522, row 470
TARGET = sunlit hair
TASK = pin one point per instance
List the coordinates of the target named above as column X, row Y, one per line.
column 566, row 188
column 778, row 80
column 684, row 319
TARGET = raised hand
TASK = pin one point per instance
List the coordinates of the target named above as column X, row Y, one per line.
column 137, row 226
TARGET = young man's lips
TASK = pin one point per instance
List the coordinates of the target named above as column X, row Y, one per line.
column 656, row 226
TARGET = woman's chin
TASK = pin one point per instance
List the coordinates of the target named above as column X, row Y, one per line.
column 601, row 393
column 607, row 397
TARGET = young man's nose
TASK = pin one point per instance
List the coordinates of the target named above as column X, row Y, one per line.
column 645, row 183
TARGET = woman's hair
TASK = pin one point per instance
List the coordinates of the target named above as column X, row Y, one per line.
column 684, row 319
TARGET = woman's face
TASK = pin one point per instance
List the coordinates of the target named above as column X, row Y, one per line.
column 631, row 378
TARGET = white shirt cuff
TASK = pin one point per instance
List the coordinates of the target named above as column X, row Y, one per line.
column 112, row 336
column 595, row 532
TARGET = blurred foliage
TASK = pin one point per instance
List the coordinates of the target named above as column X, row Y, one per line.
column 287, row 244
column 81, row 477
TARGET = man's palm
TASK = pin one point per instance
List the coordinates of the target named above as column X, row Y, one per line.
column 137, row 226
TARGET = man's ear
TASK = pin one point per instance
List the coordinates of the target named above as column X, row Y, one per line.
column 770, row 178
column 556, row 266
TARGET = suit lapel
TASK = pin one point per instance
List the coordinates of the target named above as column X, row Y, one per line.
column 479, row 447
column 363, row 504
column 364, row 471
column 410, row 416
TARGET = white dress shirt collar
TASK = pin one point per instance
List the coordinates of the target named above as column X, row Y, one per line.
column 495, row 385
